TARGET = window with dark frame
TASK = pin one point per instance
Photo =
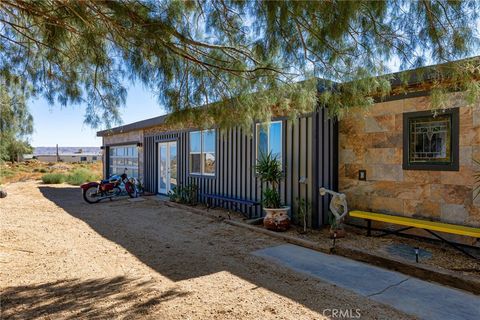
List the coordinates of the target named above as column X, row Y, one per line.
column 269, row 139
column 202, row 152
column 430, row 142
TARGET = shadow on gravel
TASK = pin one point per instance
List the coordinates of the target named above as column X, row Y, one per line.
column 182, row 245
column 73, row 299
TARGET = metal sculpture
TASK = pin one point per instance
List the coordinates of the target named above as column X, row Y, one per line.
column 338, row 204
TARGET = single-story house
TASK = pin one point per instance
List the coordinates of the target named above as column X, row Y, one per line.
column 394, row 157
column 72, row 158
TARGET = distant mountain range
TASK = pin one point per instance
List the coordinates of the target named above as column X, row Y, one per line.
column 66, row 150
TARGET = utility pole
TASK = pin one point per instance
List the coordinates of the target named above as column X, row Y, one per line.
column 58, row 156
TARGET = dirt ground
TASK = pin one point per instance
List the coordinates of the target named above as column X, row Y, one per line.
column 62, row 258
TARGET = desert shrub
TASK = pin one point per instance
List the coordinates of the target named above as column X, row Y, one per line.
column 6, row 172
column 53, row 178
column 41, row 170
column 184, row 194
column 81, row 175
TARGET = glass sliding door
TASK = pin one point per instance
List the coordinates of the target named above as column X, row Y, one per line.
column 167, row 166
column 172, row 164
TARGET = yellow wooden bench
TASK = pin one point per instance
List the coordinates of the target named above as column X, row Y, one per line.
column 429, row 226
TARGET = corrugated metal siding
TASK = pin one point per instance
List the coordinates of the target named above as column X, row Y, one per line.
column 309, row 151
column 149, row 162
column 325, row 168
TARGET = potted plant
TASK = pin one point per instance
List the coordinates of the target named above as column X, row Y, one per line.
column 270, row 172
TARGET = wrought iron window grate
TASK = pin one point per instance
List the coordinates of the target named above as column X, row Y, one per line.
column 430, row 139
column 431, row 142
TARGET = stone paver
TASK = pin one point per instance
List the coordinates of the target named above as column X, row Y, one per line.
column 422, row 299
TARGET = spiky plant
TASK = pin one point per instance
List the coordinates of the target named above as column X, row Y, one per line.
column 270, row 172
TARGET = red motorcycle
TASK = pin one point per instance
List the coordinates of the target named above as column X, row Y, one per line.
column 115, row 186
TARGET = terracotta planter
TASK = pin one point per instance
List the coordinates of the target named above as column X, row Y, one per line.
column 276, row 219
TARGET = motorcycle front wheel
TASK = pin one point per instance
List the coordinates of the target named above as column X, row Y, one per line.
column 131, row 190
column 91, row 195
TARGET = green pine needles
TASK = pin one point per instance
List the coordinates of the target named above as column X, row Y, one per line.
column 240, row 57
column 16, row 124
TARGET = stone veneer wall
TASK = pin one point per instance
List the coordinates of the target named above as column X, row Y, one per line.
column 373, row 140
column 132, row 136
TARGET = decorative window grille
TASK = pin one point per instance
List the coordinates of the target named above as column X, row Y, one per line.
column 430, row 139
column 431, row 142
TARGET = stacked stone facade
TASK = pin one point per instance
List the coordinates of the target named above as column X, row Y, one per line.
column 372, row 140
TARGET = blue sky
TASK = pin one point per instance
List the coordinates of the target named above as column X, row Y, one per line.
column 64, row 125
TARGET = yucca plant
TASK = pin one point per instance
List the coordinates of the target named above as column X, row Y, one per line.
column 269, row 171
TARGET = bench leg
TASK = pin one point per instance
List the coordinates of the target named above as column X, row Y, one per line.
column 369, row 227
column 450, row 243
column 387, row 232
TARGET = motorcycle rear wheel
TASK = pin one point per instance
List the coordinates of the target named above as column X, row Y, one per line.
column 91, row 195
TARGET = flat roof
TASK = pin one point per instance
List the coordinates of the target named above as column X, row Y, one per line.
column 152, row 122
column 396, row 80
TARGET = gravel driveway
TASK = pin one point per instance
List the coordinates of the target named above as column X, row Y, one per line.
column 63, row 258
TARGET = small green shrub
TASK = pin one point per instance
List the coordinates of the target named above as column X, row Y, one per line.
column 81, row 175
column 184, row 194
column 304, row 211
column 5, row 172
column 53, row 178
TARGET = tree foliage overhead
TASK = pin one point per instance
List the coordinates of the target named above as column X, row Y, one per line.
column 16, row 124
column 192, row 53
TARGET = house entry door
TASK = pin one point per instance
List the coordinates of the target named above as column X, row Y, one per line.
column 167, row 166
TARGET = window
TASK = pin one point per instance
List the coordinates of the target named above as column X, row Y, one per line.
column 269, row 139
column 123, row 157
column 94, row 158
column 431, row 142
column 202, row 152
column 83, row 158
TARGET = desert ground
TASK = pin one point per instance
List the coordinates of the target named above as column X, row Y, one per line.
column 61, row 258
